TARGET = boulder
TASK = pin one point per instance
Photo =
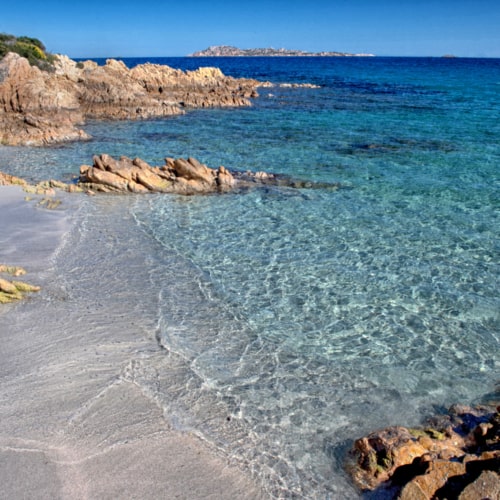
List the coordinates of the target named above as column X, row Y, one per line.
column 153, row 182
column 380, row 454
column 426, row 485
column 176, row 176
column 7, row 286
column 193, row 170
column 441, row 460
column 487, row 485
column 109, row 180
column 12, row 270
column 225, row 180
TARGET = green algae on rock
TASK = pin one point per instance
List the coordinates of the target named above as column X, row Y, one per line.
column 11, row 291
column 441, row 460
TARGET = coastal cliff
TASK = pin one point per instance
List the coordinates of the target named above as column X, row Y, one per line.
column 39, row 107
column 230, row 51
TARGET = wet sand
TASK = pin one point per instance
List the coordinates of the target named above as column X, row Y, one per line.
column 74, row 424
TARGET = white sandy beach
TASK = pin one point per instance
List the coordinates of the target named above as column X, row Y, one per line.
column 74, row 424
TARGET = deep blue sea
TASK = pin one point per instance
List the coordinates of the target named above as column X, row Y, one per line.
column 301, row 319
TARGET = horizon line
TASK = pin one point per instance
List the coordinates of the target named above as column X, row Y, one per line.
column 371, row 56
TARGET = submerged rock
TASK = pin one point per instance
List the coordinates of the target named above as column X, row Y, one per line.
column 443, row 460
column 9, row 180
column 12, row 270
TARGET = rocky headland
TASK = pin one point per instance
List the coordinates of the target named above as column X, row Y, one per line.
column 230, row 51
column 39, row 106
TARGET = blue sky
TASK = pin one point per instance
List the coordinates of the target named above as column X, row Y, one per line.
column 468, row 28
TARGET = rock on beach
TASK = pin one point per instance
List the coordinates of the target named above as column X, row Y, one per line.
column 176, row 176
column 455, row 456
column 179, row 176
column 12, row 290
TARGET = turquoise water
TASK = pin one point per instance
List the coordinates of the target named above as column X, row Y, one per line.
column 305, row 318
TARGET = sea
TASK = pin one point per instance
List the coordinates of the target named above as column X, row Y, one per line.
column 292, row 321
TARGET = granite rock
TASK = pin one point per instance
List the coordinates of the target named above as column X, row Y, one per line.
column 178, row 176
column 126, row 175
column 36, row 107
column 39, row 107
column 487, row 485
column 441, row 460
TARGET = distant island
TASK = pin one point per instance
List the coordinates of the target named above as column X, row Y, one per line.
column 229, row 51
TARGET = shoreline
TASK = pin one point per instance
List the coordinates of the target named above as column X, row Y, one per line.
column 398, row 285
column 87, row 379
column 74, row 415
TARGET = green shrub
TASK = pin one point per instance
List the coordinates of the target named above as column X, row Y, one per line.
column 3, row 49
column 4, row 37
column 32, row 41
column 30, row 48
column 31, row 52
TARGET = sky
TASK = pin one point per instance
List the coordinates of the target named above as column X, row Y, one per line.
column 112, row 28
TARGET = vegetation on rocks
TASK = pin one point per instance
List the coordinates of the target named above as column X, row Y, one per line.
column 30, row 48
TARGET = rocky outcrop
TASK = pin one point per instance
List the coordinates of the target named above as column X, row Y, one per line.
column 456, row 456
column 9, row 180
column 203, row 88
column 178, row 176
column 47, row 188
column 35, row 106
column 39, row 107
column 12, row 290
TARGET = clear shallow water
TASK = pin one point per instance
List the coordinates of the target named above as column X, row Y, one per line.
column 296, row 320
